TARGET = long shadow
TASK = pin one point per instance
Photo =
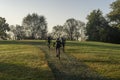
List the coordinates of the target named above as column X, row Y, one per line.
column 80, row 72
column 89, row 44
column 101, row 61
column 24, row 42
column 82, row 44
column 72, row 69
column 19, row 72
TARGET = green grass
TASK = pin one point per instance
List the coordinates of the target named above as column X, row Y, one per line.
column 22, row 61
column 104, row 58
column 32, row 60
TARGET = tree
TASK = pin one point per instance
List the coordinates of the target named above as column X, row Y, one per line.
column 72, row 28
column 35, row 26
column 114, row 17
column 3, row 28
column 12, row 33
column 20, row 33
column 80, row 31
column 57, row 31
column 97, row 26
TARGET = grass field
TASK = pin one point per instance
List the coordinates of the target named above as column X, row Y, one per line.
column 23, row 61
column 31, row 60
column 104, row 58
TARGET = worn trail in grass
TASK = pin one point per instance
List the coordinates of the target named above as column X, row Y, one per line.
column 26, row 60
column 68, row 67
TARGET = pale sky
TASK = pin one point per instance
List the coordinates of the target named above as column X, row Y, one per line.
column 55, row 11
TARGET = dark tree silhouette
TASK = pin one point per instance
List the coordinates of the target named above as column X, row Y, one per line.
column 72, row 27
column 3, row 28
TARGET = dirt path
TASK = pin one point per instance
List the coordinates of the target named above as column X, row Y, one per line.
column 68, row 67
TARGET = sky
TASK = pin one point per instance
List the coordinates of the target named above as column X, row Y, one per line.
column 56, row 12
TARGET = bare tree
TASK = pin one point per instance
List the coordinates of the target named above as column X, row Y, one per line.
column 57, row 31
column 72, row 27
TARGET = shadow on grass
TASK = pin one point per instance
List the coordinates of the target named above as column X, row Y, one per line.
column 101, row 61
column 73, row 70
column 23, row 42
column 69, row 68
column 80, row 44
column 19, row 72
column 94, row 45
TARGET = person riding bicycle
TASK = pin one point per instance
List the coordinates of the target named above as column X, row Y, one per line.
column 58, row 45
column 49, row 41
column 63, row 41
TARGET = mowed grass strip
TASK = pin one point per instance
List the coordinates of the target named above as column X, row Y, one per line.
column 103, row 58
column 23, row 62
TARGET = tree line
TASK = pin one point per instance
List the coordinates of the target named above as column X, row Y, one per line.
column 34, row 26
column 98, row 27
column 106, row 29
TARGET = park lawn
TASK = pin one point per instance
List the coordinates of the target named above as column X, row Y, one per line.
column 23, row 60
column 20, row 61
column 103, row 58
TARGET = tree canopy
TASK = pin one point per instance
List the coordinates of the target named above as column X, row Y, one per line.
column 96, row 26
column 3, row 28
column 114, row 15
column 57, row 31
column 72, row 28
column 35, row 26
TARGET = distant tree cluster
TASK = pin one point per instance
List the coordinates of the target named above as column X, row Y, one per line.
column 74, row 28
column 98, row 27
column 3, row 28
column 71, row 30
column 57, row 31
column 104, row 29
column 35, row 26
column 18, row 32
